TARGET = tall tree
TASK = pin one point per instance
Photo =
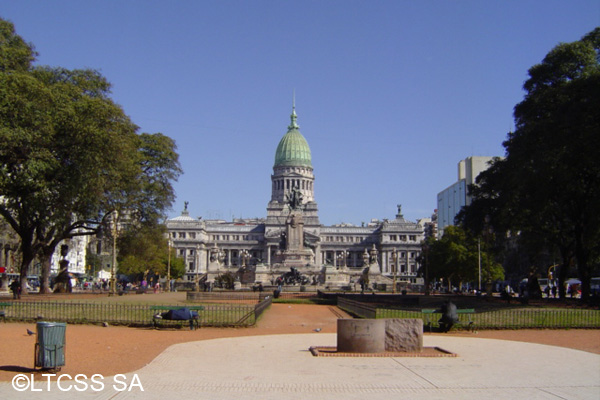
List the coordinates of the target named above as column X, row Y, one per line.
column 455, row 257
column 549, row 183
column 70, row 157
column 145, row 250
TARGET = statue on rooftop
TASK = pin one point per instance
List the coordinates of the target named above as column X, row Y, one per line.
column 294, row 199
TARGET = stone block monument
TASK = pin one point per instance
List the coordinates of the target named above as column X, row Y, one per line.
column 404, row 334
column 380, row 335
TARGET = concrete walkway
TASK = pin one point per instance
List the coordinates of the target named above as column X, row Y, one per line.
column 281, row 367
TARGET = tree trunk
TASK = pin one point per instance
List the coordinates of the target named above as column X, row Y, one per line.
column 45, row 275
column 563, row 272
column 25, row 263
column 585, row 276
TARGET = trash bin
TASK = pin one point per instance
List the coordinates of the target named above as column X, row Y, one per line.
column 50, row 345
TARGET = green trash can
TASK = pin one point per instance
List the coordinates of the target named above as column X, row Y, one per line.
column 50, row 345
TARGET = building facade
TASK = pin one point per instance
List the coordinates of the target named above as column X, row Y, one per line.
column 291, row 234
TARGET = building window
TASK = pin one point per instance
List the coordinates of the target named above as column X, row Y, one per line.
column 192, row 235
column 413, row 238
column 181, row 235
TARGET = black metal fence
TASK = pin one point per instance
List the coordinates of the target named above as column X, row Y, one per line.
column 357, row 308
column 228, row 297
column 128, row 314
column 503, row 318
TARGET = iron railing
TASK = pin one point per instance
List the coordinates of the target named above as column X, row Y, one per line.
column 503, row 318
column 128, row 314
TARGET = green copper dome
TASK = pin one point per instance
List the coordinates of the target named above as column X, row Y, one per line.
column 293, row 149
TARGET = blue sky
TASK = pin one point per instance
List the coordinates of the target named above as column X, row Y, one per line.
column 390, row 95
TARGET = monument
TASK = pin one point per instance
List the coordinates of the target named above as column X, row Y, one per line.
column 295, row 255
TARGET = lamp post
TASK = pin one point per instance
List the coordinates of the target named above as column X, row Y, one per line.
column 197, row 268
column 426, row 258
column 169, row 260
column 488, row 231
column 479, row 263
column 394, row 268
column 113, row 267
column 340, row 260
column 245, row 257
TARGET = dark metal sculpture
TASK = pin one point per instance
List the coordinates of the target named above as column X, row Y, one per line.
column 449, row 316
column 293, row 277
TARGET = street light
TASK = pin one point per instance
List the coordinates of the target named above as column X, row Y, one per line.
column 169, row 261
column 394, row 268
column 488, row 232
column 426, row 258
column 340, row 259
column 113, row 268
column 197, row 268
column 245, row 257
column 479, row 263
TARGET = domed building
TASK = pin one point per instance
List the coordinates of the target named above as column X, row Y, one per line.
column 292, row 238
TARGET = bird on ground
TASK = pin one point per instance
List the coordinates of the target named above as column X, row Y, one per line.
column 30, row 332
column 317, row 330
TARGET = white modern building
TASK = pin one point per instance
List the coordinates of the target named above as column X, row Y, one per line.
column 453, row 198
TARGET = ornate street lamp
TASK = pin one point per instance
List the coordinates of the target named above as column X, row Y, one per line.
column 394, row 268
column 197, row 268
column 245, row 257
column 340, row 259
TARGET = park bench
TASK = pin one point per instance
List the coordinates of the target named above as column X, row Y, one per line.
column 162, row 316
column 428, row 312
column 3, row 311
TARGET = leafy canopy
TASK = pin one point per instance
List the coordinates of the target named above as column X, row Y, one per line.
column 70, row 156
column 548, row 185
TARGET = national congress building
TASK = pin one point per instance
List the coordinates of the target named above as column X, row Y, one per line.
column 292, row 236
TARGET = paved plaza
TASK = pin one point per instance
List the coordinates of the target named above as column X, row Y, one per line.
column 281, row 367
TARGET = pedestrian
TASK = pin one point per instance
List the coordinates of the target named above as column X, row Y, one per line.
column 16, row 289
column 554, row 289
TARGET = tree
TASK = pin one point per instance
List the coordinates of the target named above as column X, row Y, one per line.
column 548, row 185
column 70, row 157
column 145, row 250
column 455, row 257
